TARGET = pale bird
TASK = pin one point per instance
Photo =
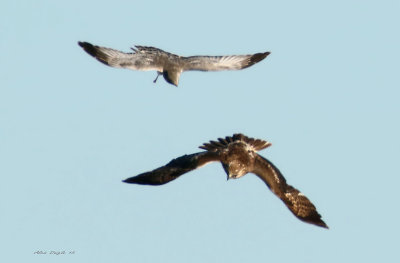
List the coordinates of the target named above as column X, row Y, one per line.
column 167, row 64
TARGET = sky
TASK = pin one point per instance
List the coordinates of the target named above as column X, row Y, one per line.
column 71, row 129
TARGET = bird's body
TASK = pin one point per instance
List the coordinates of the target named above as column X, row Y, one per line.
column 169, row 65
column 238, row 156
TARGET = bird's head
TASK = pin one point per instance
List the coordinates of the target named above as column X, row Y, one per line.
column 234, row 171
column 172, row 77
column 238, row 161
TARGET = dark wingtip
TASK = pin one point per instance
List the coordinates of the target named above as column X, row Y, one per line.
column 255, row 59
column 132, row 180
column 321, row 224
column 126, row 181
column 84, row 44
column 258, row 57
column 145, row 179
column 315, row 220
column 89, row 48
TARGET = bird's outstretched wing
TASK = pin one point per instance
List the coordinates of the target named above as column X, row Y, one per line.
column 138, row 60
column 174, row 169
column 297, row 202
column 216, row 63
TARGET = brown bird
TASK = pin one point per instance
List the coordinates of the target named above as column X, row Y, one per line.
column 238, row 156
column 167, row 64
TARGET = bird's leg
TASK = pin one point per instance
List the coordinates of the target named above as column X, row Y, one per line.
column 158, row 74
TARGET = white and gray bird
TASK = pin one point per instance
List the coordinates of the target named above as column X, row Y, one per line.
column 238, row 156
column 167, row 64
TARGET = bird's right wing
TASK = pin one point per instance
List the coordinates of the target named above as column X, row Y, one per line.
column 174, row 169
column 137, row 60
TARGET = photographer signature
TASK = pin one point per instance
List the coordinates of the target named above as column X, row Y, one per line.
column 54, row 252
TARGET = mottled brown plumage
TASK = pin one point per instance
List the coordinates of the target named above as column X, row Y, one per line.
column 238, row 156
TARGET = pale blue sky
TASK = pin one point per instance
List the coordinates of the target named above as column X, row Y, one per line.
column 72, row 129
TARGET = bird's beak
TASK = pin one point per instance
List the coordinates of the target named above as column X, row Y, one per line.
column 231, row 176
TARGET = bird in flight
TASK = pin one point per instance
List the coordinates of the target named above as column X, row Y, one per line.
column 167, row 64
column 238, row 156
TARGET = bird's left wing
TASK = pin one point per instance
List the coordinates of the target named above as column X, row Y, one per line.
column 297, row 202
column 174, row 169
column 216, row 63
column 140, row 59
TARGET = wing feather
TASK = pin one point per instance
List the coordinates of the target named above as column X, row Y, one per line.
column 297, row 202
column 174, row 169
column 216, row 63
column 137, row 60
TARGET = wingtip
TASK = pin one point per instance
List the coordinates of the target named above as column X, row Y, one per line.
column 83, row 44
column 322, row 224
column 316, row 221
column 130, row 180
column 265, row 54
column 255, row 58
column 259, row 56
column 145, row 179
column 89, row 48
